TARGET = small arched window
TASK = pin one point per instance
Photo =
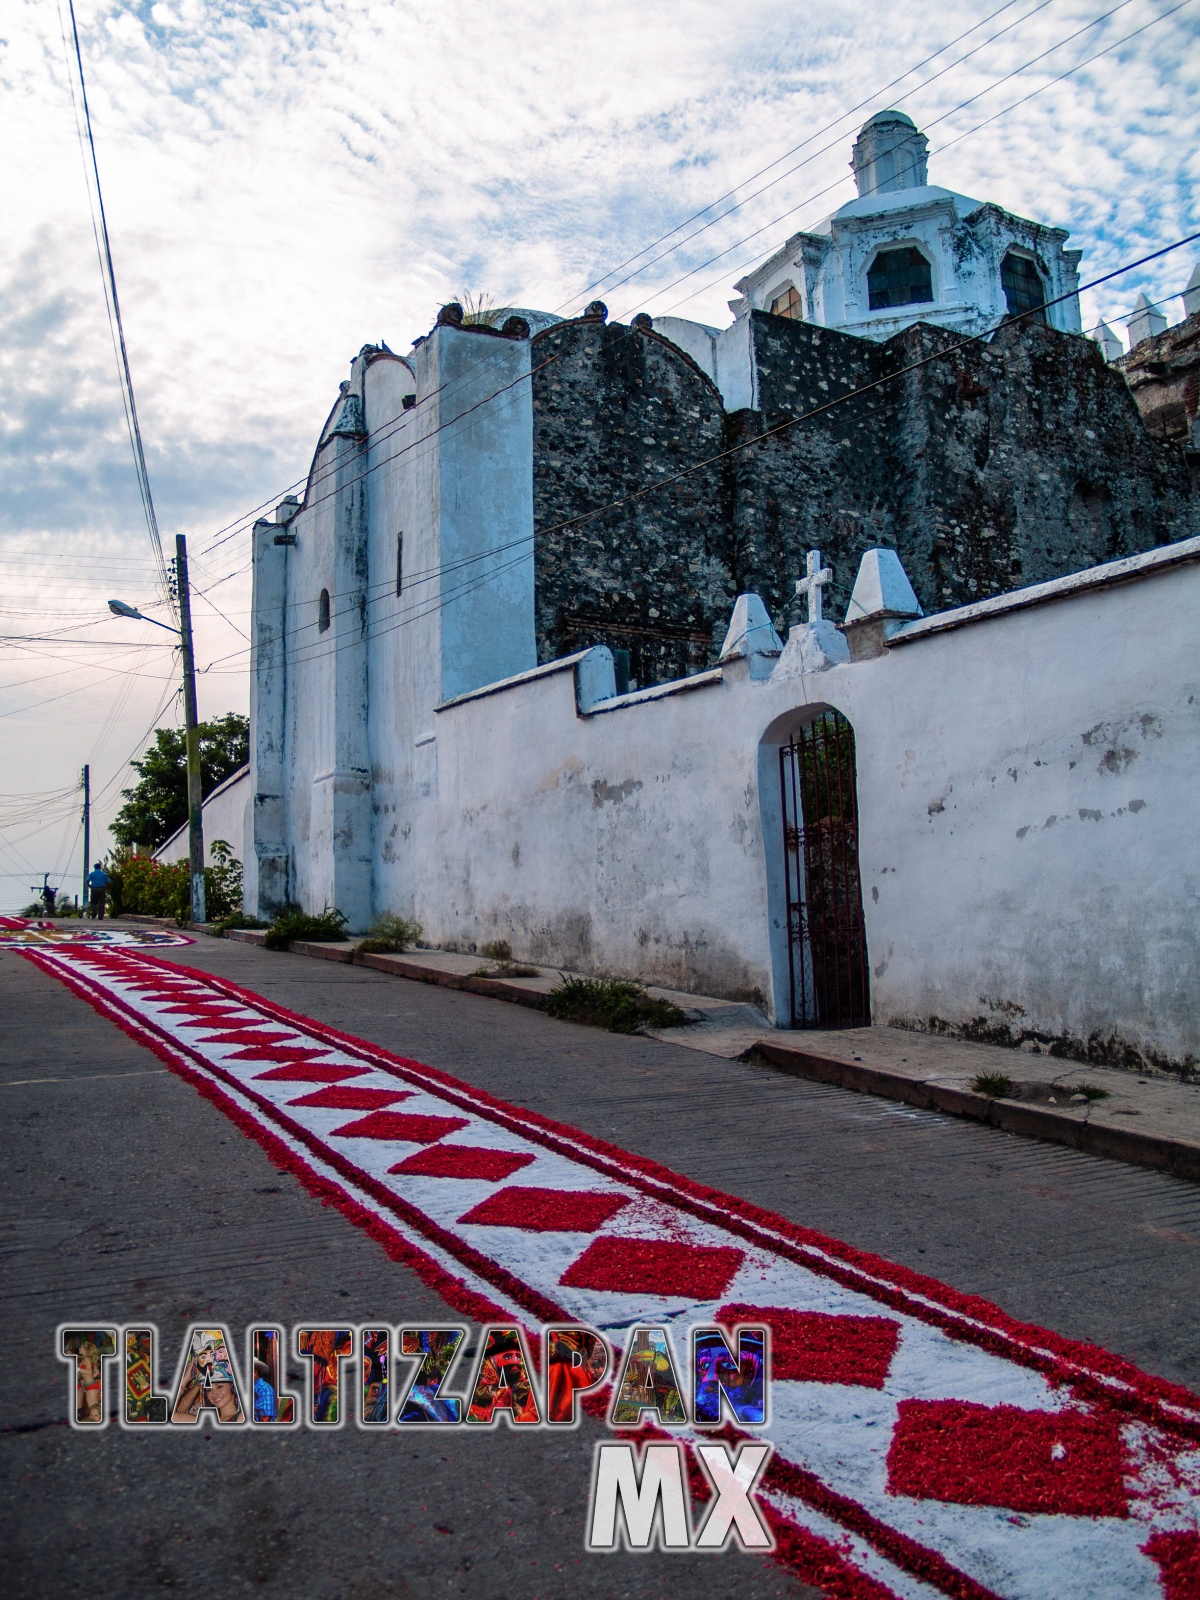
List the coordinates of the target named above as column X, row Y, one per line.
column 323, row 611
column 899, row 278
column 788, row 304
column 1022, row 285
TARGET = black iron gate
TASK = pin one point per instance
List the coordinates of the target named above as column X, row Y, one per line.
column 827, row 942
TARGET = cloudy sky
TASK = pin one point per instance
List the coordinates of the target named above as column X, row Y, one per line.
column 287, row 181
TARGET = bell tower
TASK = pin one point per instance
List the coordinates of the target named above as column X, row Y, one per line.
column 889, row 154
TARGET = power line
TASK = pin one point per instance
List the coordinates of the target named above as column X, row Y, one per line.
column 233, row 529
column 112, row 301
column 450, row 422
column 698, row 466
column 601, row 282
column 837, row 183
column 833, row 143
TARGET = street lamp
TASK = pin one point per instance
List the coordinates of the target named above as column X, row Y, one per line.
column 120, row 608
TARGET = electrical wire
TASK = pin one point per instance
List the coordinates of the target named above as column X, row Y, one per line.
column 662, row 483
column 824, row 150
column 111, row 298
column 820, row 193
column 776, row 221
column 239, row 526
column 601, row 282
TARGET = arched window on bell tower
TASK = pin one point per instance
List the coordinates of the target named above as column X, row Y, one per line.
column 787, row 303
column 1022, row 285
column 899, row 278
column 323, row 612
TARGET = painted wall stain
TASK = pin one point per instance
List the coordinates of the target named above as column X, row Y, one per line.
column 605, row 793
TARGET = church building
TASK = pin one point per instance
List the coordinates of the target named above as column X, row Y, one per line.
column 519, row 660
column 904, row 248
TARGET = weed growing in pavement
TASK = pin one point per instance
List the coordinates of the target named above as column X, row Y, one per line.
column 995, row 1084
column 613, row 1003
column 500, row 952
column 327, row 928
column 389, row 935
column 1089, row 1091
column 238, row 919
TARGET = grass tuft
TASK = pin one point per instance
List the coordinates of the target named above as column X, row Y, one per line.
column 238, row 919
column 1090, row 1091
column 613, row 1003
column 995, row 1084
column 390, row 935
column 293, row 924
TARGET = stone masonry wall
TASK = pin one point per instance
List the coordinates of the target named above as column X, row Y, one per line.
column 1000, row 465
column 1164, row 376
column 989, row 468
column 616, row 409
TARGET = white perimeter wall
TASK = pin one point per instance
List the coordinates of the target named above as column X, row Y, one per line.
column 224, row 817
column 1029, row 846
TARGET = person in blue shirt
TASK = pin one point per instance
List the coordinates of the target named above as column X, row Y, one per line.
column 264, row 1394
column 98, row 882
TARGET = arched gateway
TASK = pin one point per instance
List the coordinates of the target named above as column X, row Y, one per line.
column 826, row 936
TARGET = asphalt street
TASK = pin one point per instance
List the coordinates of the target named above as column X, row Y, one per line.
column 127, row 1195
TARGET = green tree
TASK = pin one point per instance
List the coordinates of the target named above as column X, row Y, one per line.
column 157, row 804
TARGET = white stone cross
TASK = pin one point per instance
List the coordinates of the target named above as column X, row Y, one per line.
column 810, row 586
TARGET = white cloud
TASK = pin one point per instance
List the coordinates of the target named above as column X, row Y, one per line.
column 287, row 181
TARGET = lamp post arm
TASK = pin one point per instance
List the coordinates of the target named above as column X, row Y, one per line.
column 144, row 618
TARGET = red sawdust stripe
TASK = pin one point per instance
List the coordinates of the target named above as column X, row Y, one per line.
column 521, row 1293
column 902, row 1550
column 468, row 1302
column 989, row 1327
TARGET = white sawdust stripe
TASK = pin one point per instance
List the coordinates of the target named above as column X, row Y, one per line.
column 831, row 1480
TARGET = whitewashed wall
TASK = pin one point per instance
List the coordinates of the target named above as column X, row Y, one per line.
column 224, row 817
column 1029, row 844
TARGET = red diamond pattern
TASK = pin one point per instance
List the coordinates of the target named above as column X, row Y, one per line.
column 352, row 1099
column 1068, row 1462
column 278, row 1052
column 254, row 1036
column 654, row 1266
column 814, row 1347
column 547, row 1210
column 463, row 1161
column 313, row 1072
column 415, row 1129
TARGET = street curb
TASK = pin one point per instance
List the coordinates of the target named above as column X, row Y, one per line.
column 405, row 966
column 495, row 988
column 1175, row 1156
column 1010, row 1116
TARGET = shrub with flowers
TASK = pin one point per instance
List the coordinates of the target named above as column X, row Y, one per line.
column 144, row 887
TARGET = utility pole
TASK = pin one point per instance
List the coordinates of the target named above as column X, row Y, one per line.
column 87, row 834
column 191, row 722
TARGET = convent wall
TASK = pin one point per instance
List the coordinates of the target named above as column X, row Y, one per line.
column 1020, row 778
column 985, row 466
column 1027, row 870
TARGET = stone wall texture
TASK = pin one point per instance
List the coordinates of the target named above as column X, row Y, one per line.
column 987, row 467
column 615, row 410
column 1163, row 374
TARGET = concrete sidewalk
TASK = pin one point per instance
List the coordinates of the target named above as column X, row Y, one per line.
column 1149, row 1121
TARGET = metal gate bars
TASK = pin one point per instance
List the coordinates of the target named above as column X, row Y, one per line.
column 827, row 942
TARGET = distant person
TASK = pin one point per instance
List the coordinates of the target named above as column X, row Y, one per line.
column 98, row 882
